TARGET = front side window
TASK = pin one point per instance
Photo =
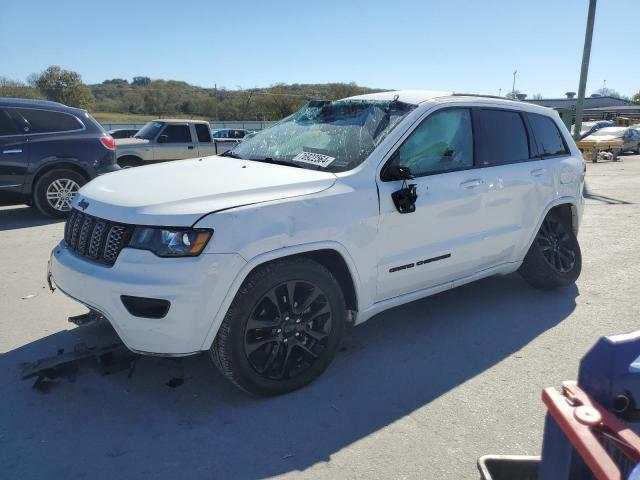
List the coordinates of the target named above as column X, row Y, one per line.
column 203, row 132
column 177, row 134
column 46, row 121
column 442, row 142
column 6, row 125
column 334, row 136
column 503, row 137
column 547, row 136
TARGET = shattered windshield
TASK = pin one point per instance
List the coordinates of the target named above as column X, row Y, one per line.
column 332, row 136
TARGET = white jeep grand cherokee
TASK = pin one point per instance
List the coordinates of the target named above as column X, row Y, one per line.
column 338, row 212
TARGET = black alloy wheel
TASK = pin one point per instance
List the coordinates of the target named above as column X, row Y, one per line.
column 288, row 330
column 555, row 245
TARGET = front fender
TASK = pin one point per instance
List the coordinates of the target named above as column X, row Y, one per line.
column 145, row 154
column 270, row 256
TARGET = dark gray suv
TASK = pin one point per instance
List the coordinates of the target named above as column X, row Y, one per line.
column 48, row 151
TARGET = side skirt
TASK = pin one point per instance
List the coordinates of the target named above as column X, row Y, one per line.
column 502, row 269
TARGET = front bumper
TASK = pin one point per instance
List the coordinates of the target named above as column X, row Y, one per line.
column 195, row 287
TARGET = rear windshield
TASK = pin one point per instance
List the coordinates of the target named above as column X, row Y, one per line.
column 332, row 136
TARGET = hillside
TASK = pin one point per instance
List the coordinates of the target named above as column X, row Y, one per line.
column 144, row 96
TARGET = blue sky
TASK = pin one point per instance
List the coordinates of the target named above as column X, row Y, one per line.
column 456, row 45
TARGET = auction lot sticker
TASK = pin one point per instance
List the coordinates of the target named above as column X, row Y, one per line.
column 318, row 159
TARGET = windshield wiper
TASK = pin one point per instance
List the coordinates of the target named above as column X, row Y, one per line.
column 277, row 162
column 229, row 153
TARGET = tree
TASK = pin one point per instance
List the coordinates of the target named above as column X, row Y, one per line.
column 610, row 92
column 513, row 94
column 64, row 86
column 15, row 89
column 537, row 96
column 141, row 81
column 116, row 81
column 636, row 97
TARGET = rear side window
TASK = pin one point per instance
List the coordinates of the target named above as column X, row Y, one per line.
column 503, row 137
column 204, row 134
column 46, row 121
column 177, row 133
column 548, row 137
column 443, row 142
column 6, row 125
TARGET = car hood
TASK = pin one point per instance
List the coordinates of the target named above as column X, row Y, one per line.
column 128, row 142
column 178, row 193
column 591, row 139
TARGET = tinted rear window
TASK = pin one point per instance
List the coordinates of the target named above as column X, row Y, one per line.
column 204, row 134
column 46, row 121
column 6, row 125
column 503, row 137
column 547, row 136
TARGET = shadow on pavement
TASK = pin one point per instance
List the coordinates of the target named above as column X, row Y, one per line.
column 399, row 361
column 22, row 216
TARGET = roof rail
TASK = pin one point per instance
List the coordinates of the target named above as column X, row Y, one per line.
column 32, row 100
column 456, row 94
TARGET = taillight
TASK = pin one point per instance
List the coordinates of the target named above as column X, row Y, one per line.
column 108, row 142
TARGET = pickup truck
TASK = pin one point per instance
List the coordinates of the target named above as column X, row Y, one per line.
column 170, row 139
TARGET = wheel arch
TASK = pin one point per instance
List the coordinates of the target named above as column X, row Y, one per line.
column 567, row 208
column 331, row 255
column 56, row 165
column 131, row 156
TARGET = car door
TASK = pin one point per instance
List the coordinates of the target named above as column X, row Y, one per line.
column 206, row 147
column 519, row 185
column 630, row 140
column 635, row 145
column 174, row 142
column 14, row 155
column 442, row 239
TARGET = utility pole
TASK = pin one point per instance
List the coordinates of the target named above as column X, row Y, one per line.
column 513, row 88
column 586, row 54
column 500, row 92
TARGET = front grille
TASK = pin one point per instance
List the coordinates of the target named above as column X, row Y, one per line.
column 95, row 238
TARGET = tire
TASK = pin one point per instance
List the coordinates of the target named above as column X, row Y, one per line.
column 129, row 162
column 267, row 345
column 55, row 190
column 637, row 150
column 554, row 259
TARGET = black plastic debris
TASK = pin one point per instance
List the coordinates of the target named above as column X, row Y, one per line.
column 107, row 359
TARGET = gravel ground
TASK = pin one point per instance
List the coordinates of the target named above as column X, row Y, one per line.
column 420, row 391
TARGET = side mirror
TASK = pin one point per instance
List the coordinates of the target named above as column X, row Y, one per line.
column 396, row 172
column 162, row 139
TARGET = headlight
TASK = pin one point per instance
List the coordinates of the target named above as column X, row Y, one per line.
column 169, row 242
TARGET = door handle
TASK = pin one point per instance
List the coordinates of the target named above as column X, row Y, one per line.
column 190, row 147
column 10, row 152
column 476, row 182
column 538, row 172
